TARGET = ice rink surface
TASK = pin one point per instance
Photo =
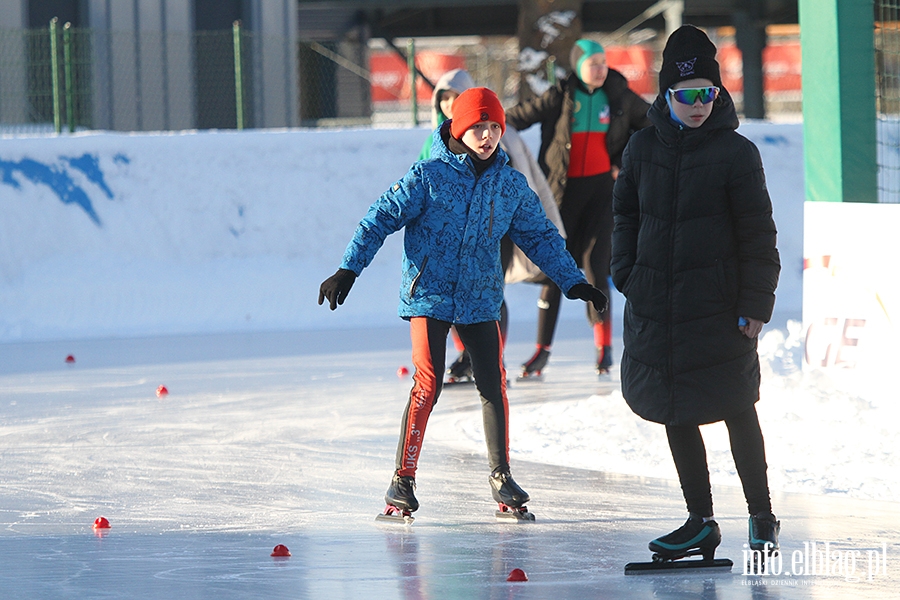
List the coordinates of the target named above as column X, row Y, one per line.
column 289, row 438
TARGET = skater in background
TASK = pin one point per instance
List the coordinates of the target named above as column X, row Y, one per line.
column 515, row 264
column 693, row 251
column 586, row 120
column 454, row 210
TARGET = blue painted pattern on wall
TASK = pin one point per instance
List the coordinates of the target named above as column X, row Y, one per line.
column 58, row 178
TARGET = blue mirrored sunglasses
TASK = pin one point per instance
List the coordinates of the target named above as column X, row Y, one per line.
column 690, row 95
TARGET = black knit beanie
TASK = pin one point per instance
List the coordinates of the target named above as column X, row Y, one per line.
column 688, row 55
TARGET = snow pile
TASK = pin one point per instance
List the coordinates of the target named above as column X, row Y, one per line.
column 819, row 440
column 112, row 235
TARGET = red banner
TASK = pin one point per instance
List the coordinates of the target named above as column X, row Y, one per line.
column 781, row 67
column 781, row 70
column 390, row 74
column 636, row 64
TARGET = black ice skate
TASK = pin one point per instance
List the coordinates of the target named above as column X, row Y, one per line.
column 764, row 530
column 604, row 360
column 401, row 501
column 763, row 538
column 694, row 538
column 461, row 370
column 510, row 498
column 535, row 365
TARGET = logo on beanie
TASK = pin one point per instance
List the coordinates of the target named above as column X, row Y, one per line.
column 686, row 68
column 485, row 116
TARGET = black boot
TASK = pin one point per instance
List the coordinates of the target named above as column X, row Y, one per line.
column 764, row 530
column 536, row 363
column 506, row 491
column 696, row 536
column 461, row 369
column 604, row 360
column 402, row 493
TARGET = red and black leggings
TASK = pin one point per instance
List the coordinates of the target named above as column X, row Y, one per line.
column 429, row 348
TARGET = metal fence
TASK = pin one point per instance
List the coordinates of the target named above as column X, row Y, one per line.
column 491, row 61
column 42, row 76
column 65, row 79
column 887, row 71
column 361, row 95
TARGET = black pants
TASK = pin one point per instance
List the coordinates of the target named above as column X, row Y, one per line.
column 586, row 211
column 484, row 344
column 749, row 454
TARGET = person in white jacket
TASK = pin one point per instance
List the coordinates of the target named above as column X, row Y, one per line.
column 517, row 266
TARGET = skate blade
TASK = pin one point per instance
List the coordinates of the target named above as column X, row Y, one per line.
column 507, row 514
column 394, row 516
column 716, row 564
column 536, row 376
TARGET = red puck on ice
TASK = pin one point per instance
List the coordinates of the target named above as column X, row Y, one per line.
column 280, row 550
column 402, row 372
column 517, row 575
column 161, row 391
column 70, row 359
column 101, row 523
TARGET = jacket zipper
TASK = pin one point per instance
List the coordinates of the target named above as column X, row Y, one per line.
column 415, row 281
column 491, row 220
column 670, row 367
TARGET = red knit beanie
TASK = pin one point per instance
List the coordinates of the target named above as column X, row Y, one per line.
column 475, row 105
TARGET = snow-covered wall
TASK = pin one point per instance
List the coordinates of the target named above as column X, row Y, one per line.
column 109, row 235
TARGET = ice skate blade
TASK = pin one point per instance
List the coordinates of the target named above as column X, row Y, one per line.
column 401, row 520
column 716, row 564
column 394, row 516
column 536, row 376
column 507, row 514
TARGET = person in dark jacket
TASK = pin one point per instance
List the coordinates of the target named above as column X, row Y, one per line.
column 586, row 121
column 694, row 252
column 454, row 210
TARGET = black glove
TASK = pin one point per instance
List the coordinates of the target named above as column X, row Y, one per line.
column 336, row 287
column 588, row 293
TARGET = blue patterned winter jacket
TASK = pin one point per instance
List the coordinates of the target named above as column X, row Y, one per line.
column 454, row 223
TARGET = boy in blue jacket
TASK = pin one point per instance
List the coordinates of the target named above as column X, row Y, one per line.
column 455, row 208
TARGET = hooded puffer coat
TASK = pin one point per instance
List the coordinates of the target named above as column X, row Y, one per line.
column 457, row 80
column 453, row 224
column 693, row 250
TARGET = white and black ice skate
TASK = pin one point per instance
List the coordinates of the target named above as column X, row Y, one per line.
column 400, row 500
column 695, row 538
column 510, row 498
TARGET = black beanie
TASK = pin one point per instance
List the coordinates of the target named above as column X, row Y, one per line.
column 688, row 55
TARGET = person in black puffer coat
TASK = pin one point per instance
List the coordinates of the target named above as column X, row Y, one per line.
column 694, row 252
